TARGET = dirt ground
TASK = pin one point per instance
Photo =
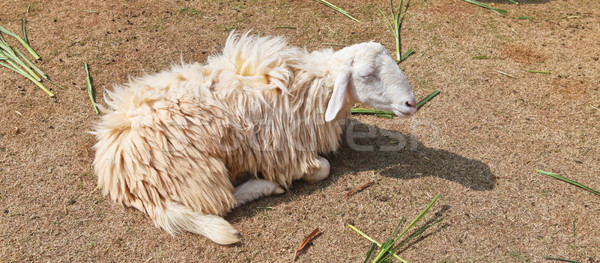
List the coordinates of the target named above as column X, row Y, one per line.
column 477, row 144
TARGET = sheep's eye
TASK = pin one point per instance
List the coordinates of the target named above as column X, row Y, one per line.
column 368, row 75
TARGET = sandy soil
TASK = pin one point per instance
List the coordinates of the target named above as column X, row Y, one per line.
column 477, row 144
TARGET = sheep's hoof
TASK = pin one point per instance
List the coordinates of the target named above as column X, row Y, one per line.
column 321, row 174
column 279, row 190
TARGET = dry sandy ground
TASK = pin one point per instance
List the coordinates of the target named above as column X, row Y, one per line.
column 477, row 144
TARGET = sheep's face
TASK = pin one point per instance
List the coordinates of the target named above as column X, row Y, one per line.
column 370, row 76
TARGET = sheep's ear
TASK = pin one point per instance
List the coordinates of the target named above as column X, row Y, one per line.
column 340, row 89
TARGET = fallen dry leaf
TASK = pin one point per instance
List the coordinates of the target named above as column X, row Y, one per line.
column 310, row 236
column 356, row 189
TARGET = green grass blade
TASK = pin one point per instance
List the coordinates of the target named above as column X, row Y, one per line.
column 373, row 246
column 371, row 112
column 408, row 53
column 514, row 2
column 573, row 223
column 24, row 31
column 561, row 259
column 539, row 71
column 372, row 240
column 386, row 19
column 16, row 69
column 387, row 116
column 53, row 83
column 495, row 10
column 564, row 179
column 418, row 217
column 418, row 233
column 428, row 98
column 480, row 57
column 29, row 49
column 334, row 7
column 39, row 71
column 12, row 56
column 525, row 17
column 89, row 87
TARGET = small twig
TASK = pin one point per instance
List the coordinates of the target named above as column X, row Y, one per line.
column 95, row 188
column 357, row 189
column 310, row 236
column 506, row 74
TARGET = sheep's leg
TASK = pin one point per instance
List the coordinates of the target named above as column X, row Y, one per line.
column 321, row 173
column 255, row 189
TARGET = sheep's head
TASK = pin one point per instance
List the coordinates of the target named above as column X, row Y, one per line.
column 369, row 75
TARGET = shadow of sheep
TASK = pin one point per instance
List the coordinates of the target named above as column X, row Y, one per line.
column 390, row 158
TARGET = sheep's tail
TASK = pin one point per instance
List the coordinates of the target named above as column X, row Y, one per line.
column 174, row 217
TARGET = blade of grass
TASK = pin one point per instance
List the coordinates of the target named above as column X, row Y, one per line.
column 419, row 217
column 31, row 65
column 561, row 259
column 334, row 7
column 564, row 179
column 89, row 87
column 24, row 32
column 373, row 246
column 421, row 231
column 367, row 111
column 573, row 223
column 24, row 74
column 480, row 57
column 403, row 57
column 39, row 71
column 495, row 10
column 428, row 98
column 29, row 49
column 525, row 17
column 387, row 116
column 14, row 68
column 12, row 56
column 372, row 240
column 514, row 2
column 55, row 84
column 538, row 71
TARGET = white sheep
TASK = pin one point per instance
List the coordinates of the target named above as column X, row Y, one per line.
column 171, row 144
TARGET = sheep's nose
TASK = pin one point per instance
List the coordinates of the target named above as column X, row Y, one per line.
column 412, row 103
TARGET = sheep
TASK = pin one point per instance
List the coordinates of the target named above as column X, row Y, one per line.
column 171, row 144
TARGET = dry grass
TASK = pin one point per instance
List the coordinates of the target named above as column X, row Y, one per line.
column 476, row 144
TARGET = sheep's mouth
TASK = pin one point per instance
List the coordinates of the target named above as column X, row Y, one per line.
column 401, row 113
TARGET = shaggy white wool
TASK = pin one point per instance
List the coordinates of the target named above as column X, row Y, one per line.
column 170, row 144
